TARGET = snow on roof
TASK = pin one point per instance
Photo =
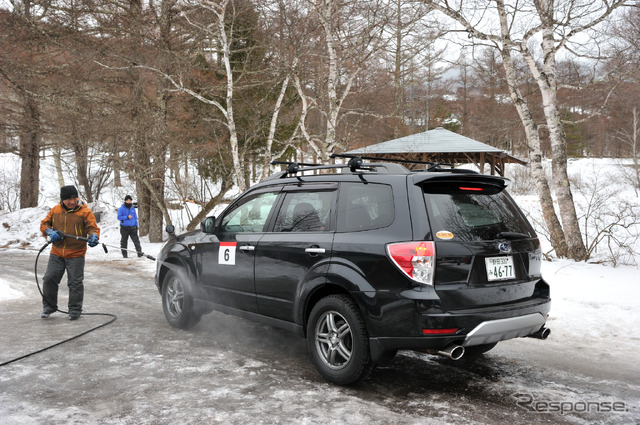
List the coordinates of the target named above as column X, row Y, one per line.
column 438, row 140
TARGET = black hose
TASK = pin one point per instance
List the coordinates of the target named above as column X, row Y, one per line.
column 113, row 318
column 104, row 246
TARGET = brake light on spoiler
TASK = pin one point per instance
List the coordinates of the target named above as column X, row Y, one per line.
column 417, row 260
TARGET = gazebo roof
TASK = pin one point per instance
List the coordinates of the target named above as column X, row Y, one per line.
column 443, row 146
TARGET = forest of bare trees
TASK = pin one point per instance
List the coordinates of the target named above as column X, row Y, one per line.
column 218, row 88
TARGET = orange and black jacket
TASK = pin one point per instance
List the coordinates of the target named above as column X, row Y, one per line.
column 79, row 221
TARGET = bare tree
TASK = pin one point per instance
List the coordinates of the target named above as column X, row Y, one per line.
column 222, row 27
column 609, row 228
column 137, row 39
column 410, row 40
column 514, row 31
column 350, row 33
column 631, row 138
column 628, row 132
column 21, row 69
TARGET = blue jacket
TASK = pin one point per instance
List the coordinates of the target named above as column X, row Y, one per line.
column 124, row 212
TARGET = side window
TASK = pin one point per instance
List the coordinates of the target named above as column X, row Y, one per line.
column 365, row 207
column 304, row 211
column 250, row 216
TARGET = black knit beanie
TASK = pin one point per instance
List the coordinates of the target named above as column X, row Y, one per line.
column 128, row 197
column 67, row 192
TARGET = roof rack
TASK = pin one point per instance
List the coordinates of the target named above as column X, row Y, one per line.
column 294, row 167
column 354, row 165
column 433, row 166
column 381, row 158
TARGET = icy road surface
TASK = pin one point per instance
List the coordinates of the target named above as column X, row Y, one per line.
column 138, row 370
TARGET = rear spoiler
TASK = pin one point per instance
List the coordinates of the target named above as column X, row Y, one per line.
column 418, row 179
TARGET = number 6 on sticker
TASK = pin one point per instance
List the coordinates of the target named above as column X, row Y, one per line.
column 227, row 253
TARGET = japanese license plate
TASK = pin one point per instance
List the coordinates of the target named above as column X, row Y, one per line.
column 500, row 268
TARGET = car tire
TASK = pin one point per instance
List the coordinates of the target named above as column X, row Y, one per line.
column 177, row 302
column 338, row 340
column 477, row 350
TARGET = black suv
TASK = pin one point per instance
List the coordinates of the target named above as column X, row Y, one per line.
column 365, row 259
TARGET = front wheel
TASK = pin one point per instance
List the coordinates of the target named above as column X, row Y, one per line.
column 338, row 340
column 177, row 302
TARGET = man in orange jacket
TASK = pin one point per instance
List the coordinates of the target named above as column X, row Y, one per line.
column 70, row 216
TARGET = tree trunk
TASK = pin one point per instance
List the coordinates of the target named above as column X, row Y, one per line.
column 138, row 163
column 141, row 168
column 328, row 21
column 30, row 154
column 225, row 186
column 80, row 153
column 556, row 234
column 547, row 84
column 116, row 164
column 57, row 159
column 266, row 168
column 225, row 43
column 157, row 208
column 157, row 168
column 562, row 187
column 398, row 88
column 634, row 149
column 158, row 146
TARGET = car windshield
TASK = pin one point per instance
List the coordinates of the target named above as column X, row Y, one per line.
column 472, row 212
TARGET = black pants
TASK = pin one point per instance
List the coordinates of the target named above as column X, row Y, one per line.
column 52, row 277
column 127, row 232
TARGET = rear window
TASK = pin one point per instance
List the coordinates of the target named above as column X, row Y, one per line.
column 472, row 212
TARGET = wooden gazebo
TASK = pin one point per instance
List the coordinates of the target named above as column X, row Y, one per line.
column 442, row 146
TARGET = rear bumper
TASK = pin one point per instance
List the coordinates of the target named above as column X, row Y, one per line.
column 502, row 329
column 474, row 328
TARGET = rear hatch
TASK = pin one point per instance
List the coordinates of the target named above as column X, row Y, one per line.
column 487, row 253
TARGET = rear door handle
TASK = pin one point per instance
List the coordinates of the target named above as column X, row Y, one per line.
column 315, row 250
column 247, row 248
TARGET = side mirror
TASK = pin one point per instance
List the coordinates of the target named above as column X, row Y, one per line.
column 208, row 225
column 170, row 229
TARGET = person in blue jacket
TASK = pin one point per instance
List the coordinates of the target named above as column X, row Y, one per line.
column 128, row 226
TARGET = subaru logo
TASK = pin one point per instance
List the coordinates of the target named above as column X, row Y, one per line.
column 504, row 247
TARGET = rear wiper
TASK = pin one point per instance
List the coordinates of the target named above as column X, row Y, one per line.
column 511, row 235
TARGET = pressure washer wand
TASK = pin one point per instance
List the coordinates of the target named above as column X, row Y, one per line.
column 104, row 246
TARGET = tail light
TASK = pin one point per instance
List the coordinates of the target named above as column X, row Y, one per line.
column 416, row 259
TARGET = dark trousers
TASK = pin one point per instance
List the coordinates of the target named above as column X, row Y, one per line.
column 51, row 282
column 127, row 232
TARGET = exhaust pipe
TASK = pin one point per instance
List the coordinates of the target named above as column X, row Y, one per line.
column 452, row 351
column 543, row 333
